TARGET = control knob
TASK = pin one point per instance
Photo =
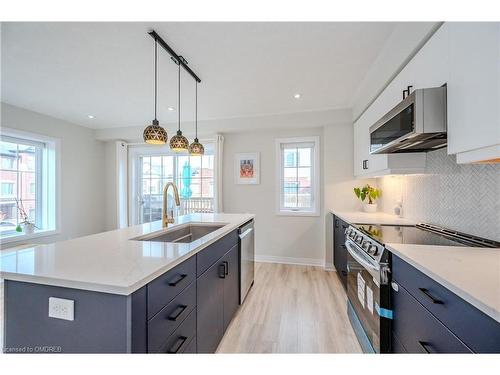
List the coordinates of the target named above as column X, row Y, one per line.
column 372, row 249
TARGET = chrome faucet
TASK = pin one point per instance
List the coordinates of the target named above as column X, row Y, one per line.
column 164, row 217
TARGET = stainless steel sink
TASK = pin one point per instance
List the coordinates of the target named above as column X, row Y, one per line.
column 184, row 233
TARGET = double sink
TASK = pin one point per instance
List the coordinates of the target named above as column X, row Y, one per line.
column 184, row 233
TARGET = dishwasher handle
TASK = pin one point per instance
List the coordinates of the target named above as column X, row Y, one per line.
column 245, row 233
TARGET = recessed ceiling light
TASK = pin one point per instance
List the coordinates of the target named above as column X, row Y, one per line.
column 171, row 108
column 91, row 116
column 297, row 96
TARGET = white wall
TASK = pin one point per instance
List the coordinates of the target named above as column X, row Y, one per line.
column 292, row 238
column 338, row 178
column 82, row 171
column 288, row 238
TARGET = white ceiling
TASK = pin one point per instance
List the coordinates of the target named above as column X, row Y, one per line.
column 71, row 70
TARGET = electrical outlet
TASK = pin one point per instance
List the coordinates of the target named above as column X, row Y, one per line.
column 61, row 308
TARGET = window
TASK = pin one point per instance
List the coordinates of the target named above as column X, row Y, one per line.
column 193, row 175
column 27, row 175
column 298, row 176
column 7, row 189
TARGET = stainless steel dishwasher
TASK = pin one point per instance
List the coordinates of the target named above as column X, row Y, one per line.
column 247, row 258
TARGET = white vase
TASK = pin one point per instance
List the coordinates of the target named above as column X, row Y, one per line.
column 370, row 207
column 28, row 228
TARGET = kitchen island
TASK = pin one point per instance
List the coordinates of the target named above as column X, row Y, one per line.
column 123, row 291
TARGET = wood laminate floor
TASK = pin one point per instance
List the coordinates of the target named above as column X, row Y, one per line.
column 292, row 309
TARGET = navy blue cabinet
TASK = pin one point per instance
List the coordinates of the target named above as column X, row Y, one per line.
column 217, row 292
column 210, row 298
column 418, row 330
column 423, row 308
column 339, row 249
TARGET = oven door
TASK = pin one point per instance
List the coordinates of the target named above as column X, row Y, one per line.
column 363, row 291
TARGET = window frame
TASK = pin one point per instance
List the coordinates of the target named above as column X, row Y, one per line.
column 135, row 171
column 48, row 171
column 315, row 177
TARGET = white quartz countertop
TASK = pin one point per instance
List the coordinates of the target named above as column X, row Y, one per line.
column 111, row 262
column 381, row 218
column 471, row 273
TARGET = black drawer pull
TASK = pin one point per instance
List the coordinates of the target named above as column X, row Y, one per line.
column 178, row 345
column 425, row 346
column 179, row 310
column 430, row 297
column 222, row 270
column 178, row 280
column 226, row 267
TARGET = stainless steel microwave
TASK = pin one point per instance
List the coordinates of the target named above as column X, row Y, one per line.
column 416, row 124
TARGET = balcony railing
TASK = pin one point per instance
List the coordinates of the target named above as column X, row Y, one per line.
column 196, row 205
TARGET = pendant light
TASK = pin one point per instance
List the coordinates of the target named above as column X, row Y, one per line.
column 154, row 134
column 196, row 148
column 179, row 143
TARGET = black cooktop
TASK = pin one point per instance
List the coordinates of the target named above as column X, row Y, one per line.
column 423, row 234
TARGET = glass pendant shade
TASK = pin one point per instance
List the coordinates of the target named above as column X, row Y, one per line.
column 179, row 143
column 196, row 148
column 154, row 134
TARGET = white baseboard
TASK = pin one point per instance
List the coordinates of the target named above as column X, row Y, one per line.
column 330, row 267
column 289, row 260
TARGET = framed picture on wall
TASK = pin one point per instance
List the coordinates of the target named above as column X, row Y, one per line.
column 247, row 168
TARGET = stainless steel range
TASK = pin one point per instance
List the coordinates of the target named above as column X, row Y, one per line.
column 368, row 290
column 368, row 274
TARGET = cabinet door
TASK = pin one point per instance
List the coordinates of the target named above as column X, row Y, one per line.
column 210, row 308
column 231, row 285
column 360, row 153
column 418, row 330
column 474, row 86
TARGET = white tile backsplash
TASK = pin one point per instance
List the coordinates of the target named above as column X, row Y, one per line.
column 464, row 197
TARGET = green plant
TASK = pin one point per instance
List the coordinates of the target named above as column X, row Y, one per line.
column 367, row 191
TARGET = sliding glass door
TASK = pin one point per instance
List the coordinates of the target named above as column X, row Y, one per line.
column 193, row 176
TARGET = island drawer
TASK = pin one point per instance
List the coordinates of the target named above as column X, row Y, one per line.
column 163, row 324
column 480, row 332
column 165, row 287
column 215, row 251
column 181, row 339
column 418, row 330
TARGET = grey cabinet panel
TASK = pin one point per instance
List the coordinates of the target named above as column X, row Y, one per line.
column 480, row 332
column 231, row 285
column 161, row 326
column 179, row 341
column 210, row 308
column 418, row 330
column 215, row 251
column 165, row 287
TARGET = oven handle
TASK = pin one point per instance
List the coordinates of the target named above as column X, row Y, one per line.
column 352, row 250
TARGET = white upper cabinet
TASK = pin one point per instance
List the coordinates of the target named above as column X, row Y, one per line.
column 474, row 91
column 465, row 57
column 428, row 68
